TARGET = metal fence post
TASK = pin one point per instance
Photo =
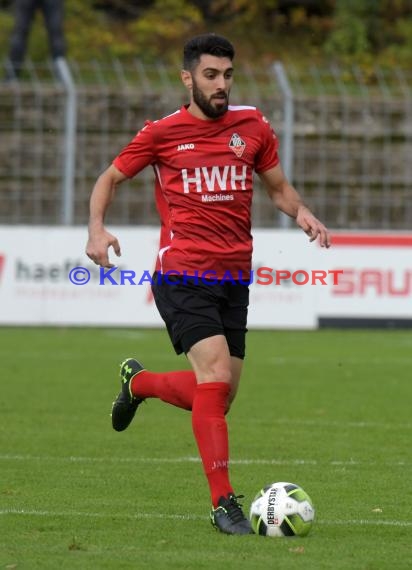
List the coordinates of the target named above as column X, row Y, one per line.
column 288, row 121
column 70, row 128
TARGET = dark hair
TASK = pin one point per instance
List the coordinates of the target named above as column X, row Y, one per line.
column 210, row 44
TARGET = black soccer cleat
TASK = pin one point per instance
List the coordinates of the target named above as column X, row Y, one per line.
column 228, row 516
column 125, row 405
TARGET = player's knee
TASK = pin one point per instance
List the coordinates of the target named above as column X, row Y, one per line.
column 222, row 374
column 215, row 373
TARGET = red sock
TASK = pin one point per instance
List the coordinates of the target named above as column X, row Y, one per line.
column 210, row 430
column 176, row 388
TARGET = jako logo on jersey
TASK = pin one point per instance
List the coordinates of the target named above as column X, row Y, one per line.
column 187, row 146
column 215, row 178
column 237, row 145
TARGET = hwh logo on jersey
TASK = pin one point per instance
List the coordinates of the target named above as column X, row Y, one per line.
column 215, row 178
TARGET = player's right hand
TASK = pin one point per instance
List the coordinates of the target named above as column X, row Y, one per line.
column 97, row 248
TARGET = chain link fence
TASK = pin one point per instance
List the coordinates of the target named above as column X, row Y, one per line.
column 350, row 153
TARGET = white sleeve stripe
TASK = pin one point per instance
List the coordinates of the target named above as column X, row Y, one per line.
column 240, row 107
column 160, row 255
column 171, row 115
column 156, row 168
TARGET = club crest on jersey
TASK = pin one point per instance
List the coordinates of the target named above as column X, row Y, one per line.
column 237, row 145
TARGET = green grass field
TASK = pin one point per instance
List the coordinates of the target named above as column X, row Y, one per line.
column 329, row 410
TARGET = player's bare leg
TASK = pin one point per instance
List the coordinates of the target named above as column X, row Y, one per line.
column 236, row 365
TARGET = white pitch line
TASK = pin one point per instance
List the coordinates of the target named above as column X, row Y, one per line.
column 365, row 522
column 280, row 360
column 189, row 459
column 35, row 513
column 73, row 459
column 335, row 424
column 164, row 516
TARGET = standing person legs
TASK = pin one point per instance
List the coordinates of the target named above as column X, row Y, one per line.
column 53, row 11
column 23, row 14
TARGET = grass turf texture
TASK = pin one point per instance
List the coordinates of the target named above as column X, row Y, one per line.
column 329, row 410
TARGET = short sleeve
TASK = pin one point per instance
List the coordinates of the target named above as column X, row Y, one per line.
column 267, row 157
column 138, row 154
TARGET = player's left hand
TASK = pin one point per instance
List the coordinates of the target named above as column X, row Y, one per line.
column 313, row 227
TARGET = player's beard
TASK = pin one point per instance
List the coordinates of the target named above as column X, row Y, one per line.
column 213, row 107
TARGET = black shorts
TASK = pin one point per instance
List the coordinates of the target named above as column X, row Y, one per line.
column 194, row 309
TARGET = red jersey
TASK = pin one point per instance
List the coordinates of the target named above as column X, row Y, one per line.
column 204, row 184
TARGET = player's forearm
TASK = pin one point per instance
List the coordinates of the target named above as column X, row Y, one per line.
column 288, row 200
column 100, row 200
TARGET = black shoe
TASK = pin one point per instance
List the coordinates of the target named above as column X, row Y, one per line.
column 228, row 516
column 125, row 405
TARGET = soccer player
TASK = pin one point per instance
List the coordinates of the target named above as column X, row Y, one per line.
column 203, row 156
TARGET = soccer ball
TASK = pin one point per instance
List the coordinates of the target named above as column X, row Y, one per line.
column 282, row 509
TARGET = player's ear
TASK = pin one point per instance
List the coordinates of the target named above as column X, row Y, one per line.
column 186, row 78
